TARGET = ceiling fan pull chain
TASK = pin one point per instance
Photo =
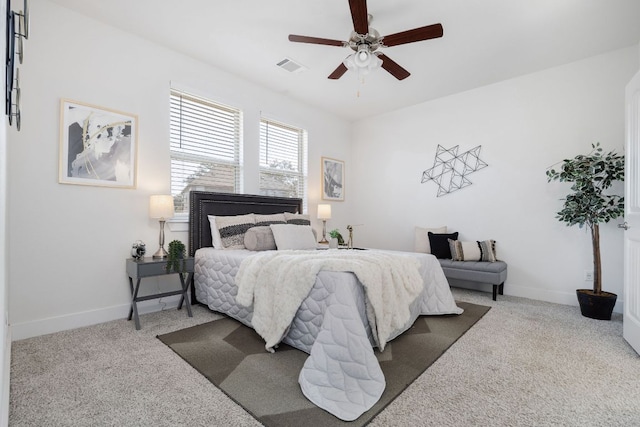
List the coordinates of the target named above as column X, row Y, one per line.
column 361, row 77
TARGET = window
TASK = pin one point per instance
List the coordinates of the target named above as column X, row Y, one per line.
column 205, row 147
column 283, row 160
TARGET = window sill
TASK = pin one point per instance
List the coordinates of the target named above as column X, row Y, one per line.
column 180, row 223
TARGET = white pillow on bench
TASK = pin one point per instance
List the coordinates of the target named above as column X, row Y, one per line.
column 473, row 251
column 464, row 251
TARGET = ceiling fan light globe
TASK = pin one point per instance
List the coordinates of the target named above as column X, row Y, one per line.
column 375, row 63
column 362, row 59
column 349, row 62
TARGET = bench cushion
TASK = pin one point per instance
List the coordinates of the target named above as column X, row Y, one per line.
column 494, row 273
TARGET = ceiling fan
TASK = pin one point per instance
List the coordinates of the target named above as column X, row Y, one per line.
column 365, row 41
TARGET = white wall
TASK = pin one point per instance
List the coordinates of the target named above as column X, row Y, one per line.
column 524, row 126
column 5, row 330
column 69, row 243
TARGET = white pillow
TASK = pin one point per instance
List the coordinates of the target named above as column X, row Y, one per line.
column 421, row 239
column 292, row 236
column 215, row 233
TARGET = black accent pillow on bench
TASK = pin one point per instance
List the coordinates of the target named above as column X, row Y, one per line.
column 440, row 244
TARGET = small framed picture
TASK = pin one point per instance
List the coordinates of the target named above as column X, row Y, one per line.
column 97, row 146
column 332, row 179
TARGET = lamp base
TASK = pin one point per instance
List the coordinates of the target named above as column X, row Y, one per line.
column 161, row 254
column 324, row 232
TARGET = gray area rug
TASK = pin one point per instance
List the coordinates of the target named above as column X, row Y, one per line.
column 232, row 356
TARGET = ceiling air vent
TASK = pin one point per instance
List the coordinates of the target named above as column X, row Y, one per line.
column 291, row 66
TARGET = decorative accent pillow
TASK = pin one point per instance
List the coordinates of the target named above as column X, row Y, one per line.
column 488, row 250
column 233, row 228
column 299, row 219
column 270, row 219
column 259, row 239
column 421, row 238
column 292, row 236
column 465, row 251
column 440, row 244
column 215, row 234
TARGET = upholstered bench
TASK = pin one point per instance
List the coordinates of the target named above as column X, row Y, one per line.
column 494, row 273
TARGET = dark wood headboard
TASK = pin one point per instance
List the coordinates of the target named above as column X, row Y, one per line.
column 204, row 203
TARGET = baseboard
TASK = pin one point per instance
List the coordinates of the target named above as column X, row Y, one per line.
column 6, row 375
column 558, row 297
column 19, row 331
column 564, row 298
column 51, row 325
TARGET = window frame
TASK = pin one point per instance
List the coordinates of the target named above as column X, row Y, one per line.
column 301, row 174
column 233, row 129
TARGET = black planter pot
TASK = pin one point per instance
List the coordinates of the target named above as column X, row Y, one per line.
column 596, row 306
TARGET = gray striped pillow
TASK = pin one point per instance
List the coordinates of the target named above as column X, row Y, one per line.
column 233, row 228
column 465, row 251
column 266, row 220
column 488, row 250
column 298, row 219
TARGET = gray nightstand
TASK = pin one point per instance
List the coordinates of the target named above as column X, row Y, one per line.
column 148, row 267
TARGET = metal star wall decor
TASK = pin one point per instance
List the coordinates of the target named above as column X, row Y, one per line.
column 450, row 169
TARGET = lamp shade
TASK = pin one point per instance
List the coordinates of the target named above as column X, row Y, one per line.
column 324, row 211
column 161, row 206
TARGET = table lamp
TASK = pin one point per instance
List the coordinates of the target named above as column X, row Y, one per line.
column 161, row 207
column 324, row 213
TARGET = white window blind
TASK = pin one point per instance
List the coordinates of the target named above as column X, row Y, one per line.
column 283, row 160
column 205, row 142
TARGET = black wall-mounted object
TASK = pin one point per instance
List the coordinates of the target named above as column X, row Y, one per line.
column 20, row 20
column 9, row 60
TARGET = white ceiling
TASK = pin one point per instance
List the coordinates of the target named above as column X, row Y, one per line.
column 485, row 41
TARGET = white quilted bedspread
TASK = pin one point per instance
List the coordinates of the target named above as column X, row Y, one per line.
column 342, row 374
column 276, row 283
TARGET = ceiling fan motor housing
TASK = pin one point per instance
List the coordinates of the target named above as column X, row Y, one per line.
column 372, row 40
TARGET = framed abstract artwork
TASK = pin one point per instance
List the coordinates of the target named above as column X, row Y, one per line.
column 98, row 146
column 332, row 179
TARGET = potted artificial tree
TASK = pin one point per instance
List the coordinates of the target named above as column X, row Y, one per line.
column 175, row 257
column 588, row 205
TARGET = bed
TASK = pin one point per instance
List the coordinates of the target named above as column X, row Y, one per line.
column 334, row 321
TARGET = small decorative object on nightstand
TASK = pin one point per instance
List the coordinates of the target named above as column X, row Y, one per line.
column 336, row 239
column 324, row 213
column 148, row 267
column 138, row 249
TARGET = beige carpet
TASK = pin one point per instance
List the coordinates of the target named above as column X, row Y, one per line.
column 232, row 356
column 525, row 363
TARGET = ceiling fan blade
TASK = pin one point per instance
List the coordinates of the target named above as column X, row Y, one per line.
column 393, row 68
column 315, row 40
column 338, row 72
column 417, row 34
column 359, row 16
